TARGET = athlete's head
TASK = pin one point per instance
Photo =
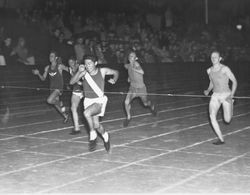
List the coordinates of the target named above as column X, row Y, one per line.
column 73, row 63
column 216, row 57
column 79, row 40
column 90, row 62
column 53, row 56
column 132, row 57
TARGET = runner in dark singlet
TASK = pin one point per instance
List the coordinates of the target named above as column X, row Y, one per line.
column 54, row 70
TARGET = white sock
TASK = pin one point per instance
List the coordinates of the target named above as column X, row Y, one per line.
column 93, row 135
column 63, row 109
column 105, row 137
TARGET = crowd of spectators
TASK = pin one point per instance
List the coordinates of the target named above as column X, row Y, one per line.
column 110, row 35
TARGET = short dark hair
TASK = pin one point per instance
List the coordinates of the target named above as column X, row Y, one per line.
column 54, row 52
column 72, row 58
column 90, row 57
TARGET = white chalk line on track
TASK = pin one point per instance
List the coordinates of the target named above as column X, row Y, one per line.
column 152, row 157
column 35, row 106
column 17, row 126
column 68, row 140
column 201, row 173
column 107, row 121
column 123, row 166
column 146, row 114
column 29, row 124
column 112, row 131
column 27, row 113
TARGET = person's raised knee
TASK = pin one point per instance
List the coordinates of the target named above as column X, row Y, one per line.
column 50, row 101
column 126, row 102
column 86, row 114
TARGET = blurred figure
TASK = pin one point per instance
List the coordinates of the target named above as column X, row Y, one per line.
column 77, row 95
column 79, row 49
column 6, row 51
column 4, row 96
column 22, row 53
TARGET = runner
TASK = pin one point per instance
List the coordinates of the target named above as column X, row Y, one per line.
column 137, row 87
column 219, row 76
column 54, row 70
column 77, row 95
column 95, row 101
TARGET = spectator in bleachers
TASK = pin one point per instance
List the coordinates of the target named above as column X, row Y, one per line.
column 79, row 49
column 100, row 54
column 77, row 25
column 22, row 53
column 5, row 51
column 2, row 60
column 181, row 40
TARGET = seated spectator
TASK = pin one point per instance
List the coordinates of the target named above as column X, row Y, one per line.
column 2, row 60
column 63, row 48
column 100, row 55
column 22, row 53
column 6, row 50
column 163, row 54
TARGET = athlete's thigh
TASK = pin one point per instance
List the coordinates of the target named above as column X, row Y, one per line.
column 54, row 94
column 75, row 99
column 227, row 110
column 142, row 93
column 214, row 105
column 94, row 109
column 130, row 96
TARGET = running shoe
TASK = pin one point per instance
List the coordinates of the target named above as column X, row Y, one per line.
column 218, row 142
column 75, row 132
column 153, row 110
column 126, row 122
column 92, row 145
column 107, row 145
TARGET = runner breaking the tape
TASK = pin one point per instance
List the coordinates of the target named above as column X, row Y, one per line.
column 219, row 76
column 95, row 101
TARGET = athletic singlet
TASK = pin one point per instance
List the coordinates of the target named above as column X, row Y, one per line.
column 88, row 91
column 77, row 87
column 136, row 79
column 56, row 79
column 220, row 81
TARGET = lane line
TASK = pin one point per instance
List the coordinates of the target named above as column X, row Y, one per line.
column 149, row 158
column 110, row 170
column 109, row 120
column 200, row 174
